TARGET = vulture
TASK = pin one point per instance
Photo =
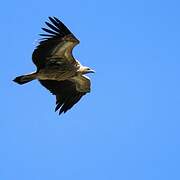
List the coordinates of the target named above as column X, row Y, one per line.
column 57, row 69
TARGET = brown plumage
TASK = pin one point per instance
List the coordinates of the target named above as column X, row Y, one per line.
column 57, row 69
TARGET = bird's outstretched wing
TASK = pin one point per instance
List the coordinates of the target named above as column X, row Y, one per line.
column 66, row 94
column 57, row 43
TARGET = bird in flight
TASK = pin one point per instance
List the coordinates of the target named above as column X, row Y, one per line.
column 57, row 69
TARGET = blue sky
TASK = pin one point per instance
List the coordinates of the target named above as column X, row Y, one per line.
column 127, row 127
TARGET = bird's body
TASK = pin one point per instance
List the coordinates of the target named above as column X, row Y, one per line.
column 57, row 70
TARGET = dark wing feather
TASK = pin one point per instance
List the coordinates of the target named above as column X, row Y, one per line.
column 66, row 94
column 52, row 27
column 59, row 41
column 50, row 31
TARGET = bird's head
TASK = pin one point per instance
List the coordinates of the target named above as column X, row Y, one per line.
column 86, row 70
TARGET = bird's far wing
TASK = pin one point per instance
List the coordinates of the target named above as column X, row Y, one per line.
column 66, row 94
column 82, row 83
column 57, row 43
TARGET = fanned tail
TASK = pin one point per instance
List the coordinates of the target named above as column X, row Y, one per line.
column 25, row 78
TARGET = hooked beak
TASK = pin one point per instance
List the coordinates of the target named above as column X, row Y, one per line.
column 91, row 71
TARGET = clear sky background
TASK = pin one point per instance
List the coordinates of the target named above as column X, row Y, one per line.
column 128, row 127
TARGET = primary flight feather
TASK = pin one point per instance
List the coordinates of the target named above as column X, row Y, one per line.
column 57, row 69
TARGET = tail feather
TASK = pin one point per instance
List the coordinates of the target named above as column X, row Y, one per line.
column 25, row 78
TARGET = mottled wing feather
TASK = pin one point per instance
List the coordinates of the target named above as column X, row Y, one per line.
column 58, row 42
column 83, row 83
column 66, row 94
